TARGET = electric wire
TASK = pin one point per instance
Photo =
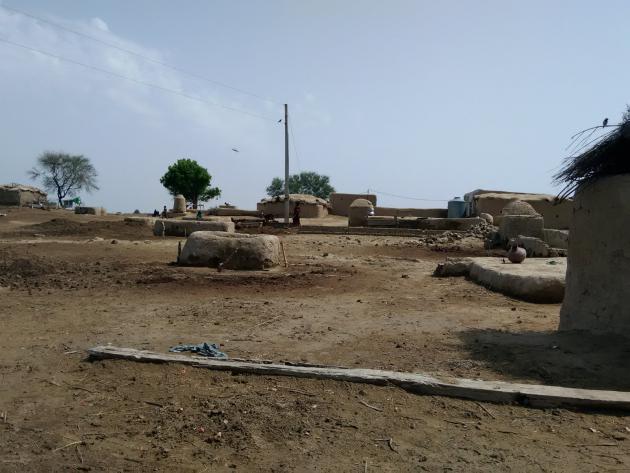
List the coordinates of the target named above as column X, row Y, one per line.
column 137, row 81
column 293, row 143
column 134, row 53
column 407, row 197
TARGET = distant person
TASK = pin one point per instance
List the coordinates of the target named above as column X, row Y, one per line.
column 268, row 218
column 297, row 210
column 164, row 211
column 156, row 213
column 199, row 215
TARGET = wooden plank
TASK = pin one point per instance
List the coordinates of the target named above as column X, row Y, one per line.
column 489, row 391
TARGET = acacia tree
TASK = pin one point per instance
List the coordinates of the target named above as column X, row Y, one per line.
column 64, row 174
column 307, row 182
column 188, row 178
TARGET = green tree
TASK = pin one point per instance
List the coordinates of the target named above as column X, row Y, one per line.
column 188, row 178
column 64, row 174
column 307, row 182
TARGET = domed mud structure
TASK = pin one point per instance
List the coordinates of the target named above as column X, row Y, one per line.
column 519, row 218
column 518, row 207
column 358, row 213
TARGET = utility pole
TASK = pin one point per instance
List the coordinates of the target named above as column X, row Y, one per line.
column 286, row 164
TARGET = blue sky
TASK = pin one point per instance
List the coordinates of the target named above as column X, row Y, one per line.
column 409, row 97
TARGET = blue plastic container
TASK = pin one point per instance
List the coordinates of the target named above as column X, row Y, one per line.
column 457, row 208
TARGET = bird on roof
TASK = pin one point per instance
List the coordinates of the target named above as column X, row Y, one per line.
column 605, row 122
column 235, row 150
column 280, row 121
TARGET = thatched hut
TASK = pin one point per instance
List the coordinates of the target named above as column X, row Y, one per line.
column 311, row 206
column 598, row 266
column 21, row 195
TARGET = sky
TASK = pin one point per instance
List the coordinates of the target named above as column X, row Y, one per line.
column 418, row 101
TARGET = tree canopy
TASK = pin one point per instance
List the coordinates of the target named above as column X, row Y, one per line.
column 306, row 182
column 64, row 174
column 188, row 178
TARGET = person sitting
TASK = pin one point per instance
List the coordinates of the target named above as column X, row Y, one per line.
column 156, row 213
column 164, row 212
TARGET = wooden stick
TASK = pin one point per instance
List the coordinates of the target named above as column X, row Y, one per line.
column 264, row 322
column 390, row 443
column 370, row 406
column 286, row 264
column 486, row 410
column 79, row 453
column 78, row 442
column 297, row 391
column 156, row 404
column 489, row 391
column 457, row 422
column 81, row 388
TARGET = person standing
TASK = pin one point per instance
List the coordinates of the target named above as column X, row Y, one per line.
column 296, row 214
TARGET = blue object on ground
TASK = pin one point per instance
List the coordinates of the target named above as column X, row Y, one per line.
column 210, row 350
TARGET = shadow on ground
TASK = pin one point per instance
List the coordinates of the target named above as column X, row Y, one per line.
column 571, row 359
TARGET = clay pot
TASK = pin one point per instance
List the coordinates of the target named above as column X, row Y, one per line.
column 515, row 253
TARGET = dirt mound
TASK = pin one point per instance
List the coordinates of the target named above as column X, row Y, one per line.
column 65, row 227
column 19, row 268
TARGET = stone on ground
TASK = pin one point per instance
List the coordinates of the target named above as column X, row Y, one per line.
column 453, row 267
column 231, row 250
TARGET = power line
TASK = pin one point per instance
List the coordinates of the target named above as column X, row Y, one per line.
column 142, row 56
column 407, row 197
column 137, row 81
column 297, row 156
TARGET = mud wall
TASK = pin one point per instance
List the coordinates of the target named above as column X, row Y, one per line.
column 556, row 216
column 20, row 197
column 277, row 209
column 421, row 213
column 598, row 265
column 340, row 203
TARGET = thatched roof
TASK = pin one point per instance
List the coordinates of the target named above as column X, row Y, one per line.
column 606, row 155
column 511, row 196
column 302, row 198
column 22, row 188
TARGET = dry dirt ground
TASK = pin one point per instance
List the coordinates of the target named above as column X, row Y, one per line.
column 356, row 301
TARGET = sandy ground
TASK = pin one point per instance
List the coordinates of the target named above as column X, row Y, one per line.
column 67, row 284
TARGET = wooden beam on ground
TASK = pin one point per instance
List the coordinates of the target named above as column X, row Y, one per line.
column 490, row 391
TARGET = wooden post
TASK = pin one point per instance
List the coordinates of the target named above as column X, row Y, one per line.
column 286, row 164
column 534, row 395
